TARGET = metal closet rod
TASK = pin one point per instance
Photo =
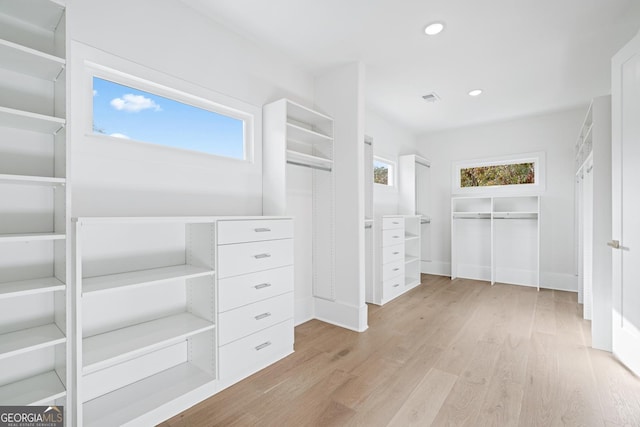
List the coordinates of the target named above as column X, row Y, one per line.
column 322, row 168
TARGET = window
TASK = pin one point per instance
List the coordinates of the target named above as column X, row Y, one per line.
column 383, row 171
column 126, row 112
column 508, row 174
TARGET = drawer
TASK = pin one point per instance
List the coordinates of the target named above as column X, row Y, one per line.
column 393, row 287
column 254, row 230
column 393, row 269
column 392, row 237
column 392, row 253
column 243, row 258
column 246, row 320
column 243, row 357
column 392, row 223
column 237, row 291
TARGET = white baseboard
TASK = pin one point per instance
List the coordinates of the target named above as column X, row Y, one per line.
column 341, row 314
column 558, row 281
column 477, row 272
column 436, row 268
column 303, row 310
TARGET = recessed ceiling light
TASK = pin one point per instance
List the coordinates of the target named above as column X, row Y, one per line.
column 434, row 28
column 475, row 92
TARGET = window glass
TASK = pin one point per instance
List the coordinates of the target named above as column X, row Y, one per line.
column 382, row 172
column 124, row 112
column 507, row 174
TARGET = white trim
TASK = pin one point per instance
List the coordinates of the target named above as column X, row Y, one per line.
column 345, row 315
column 538, row 158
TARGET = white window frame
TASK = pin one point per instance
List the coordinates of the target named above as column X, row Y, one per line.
column 214, row 102
column 538, row 187
column 392, row 172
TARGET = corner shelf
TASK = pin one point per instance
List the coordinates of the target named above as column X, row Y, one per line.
column 29, row 61
column 114, row 282
column 147, row 396
column 26, row 340
column 26, row 120
column 36, row 390
column 107, row 349
column 30, row 287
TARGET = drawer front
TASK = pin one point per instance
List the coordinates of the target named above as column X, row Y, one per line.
column 243, row 258
column 392, row 253
column 392, row 237
column 393, row 269
column 243, row 357
column 237, row 291
column 392, row 287
column 254, row 230
column 246, row 320
column 392, row 223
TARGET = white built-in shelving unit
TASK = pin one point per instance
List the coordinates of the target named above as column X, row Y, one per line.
column 34, row 302
column 295, row 136
column 496, row 239
column 397, row 257
column 146, row 317
column 593, row 219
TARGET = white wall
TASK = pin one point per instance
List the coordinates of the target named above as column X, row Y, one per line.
column 171, row 42
column 553, row 133
column 389, row 141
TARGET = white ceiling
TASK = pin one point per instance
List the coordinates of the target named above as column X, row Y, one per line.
column 529, row 56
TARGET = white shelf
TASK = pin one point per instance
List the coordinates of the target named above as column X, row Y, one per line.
column 308, row 159
column 475, row 215
column 151, row 395
column 303, row 114
column 30, row 180
column 409, row 259
column 114, row 282
column 300, row 134
column 409, row 236
column 29, row 61
column 30, row 287
column 104, row 350
column 26, row 120
column 36, row 390
column 15, row 343
column 515, row 215
column 30, row 237
column 40, row 13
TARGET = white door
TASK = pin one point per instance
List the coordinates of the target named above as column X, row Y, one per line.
column 625, row 93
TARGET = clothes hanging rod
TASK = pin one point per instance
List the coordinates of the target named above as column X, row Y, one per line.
column 322, row 168
column 425, row 221
column 368, row 226
column 420, row 162
column 515, row 217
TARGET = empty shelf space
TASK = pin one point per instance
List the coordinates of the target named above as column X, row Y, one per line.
column 30, row 237
column 302, row 159
column 35, row 390
column 30, row 287
column 410, row 258
column 30, row 180
column 410, row 236
column 15, row 343
column 44, row 14
column 410, row 281
column 29, row 61
column 300, row 113
column 153, row 276
column 27, row 120
column 104, row 350
column 147, row 396
column 300, row 134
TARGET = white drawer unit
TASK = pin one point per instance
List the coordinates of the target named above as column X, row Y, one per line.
column 254, row 230
column 243, row 321
column 397, row 258
column 255, row 295
column 243, row 357
column 246, row 289
column 242, row 258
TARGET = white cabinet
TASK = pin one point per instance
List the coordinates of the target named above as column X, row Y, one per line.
column 168, row 311
column 298, row 165
column 34, row 304
column 496, row 239
column 397, row 258
column 593, row 219
column 255, row 296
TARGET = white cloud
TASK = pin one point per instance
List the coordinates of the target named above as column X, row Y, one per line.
column 119, row 135
column 134, row 103
column 95, row 92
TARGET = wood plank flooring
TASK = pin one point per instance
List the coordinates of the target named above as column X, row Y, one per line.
column 448, row 353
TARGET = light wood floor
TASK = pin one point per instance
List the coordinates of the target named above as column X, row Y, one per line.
column 447, row 353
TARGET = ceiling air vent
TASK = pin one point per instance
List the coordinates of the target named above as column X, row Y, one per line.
column 431, row 97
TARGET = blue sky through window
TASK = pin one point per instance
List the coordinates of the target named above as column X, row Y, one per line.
column 129, row 113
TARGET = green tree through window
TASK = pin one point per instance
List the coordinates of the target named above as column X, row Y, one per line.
column 484, row 176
